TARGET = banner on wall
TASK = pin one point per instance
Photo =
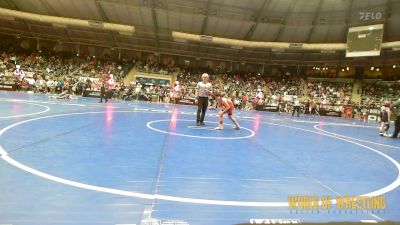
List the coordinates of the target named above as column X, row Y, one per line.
column 8, row 86
column 329, row 112
column 153, row 80
column 269, row 108
column 186, row 101
column 90, row 93
column 92, row 79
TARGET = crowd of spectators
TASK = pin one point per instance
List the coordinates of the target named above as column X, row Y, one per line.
column 149, row 66
column 247, row 90
column 373, row 93
column 331, row 93
column 57, row 72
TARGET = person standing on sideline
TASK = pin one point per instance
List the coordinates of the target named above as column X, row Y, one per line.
column 385, row 115
column 203, row 90
column 176, row 92
column 103, row 93
column 296, row 106
column 397, row 121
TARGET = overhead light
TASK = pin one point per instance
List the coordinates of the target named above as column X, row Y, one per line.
column 237, row 47
column 206, row 38
column 347, row 68
column 342, row 70
column 372, row 68
column 394, row 66
column 295, row 45
column 278, row 50
column 377, row 69
column 180, row 40
column 328, row 51
column 95, row 23
column 59, row 25
column 125, row 33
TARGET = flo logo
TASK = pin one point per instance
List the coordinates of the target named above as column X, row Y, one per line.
column 274, row 221
column 365, row 16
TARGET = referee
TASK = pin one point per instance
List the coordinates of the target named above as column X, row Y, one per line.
column 103, row 93
column 296, row 106
column 203, row 90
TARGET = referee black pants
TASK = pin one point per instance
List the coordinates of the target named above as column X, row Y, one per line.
column 103, row 95
column 296, row 108
column 202, row 104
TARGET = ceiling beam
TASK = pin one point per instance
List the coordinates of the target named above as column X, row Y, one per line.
column 315, row 22
column 204, row 25
column 348, row 16
column 288, row 12
column 53, row 12
column 12, row 4
column 257, row 18
column 153, row 4
column 104, row 17
column 218, row 57
column 49, row 8
column 388, row 11
column 186, row 44
column 205, row 20
column 387, row 15
column 348, row 19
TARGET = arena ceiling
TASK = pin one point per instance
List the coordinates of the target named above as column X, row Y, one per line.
column 295, row 21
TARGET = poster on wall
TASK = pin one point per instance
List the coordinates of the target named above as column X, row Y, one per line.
column 153, row 80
